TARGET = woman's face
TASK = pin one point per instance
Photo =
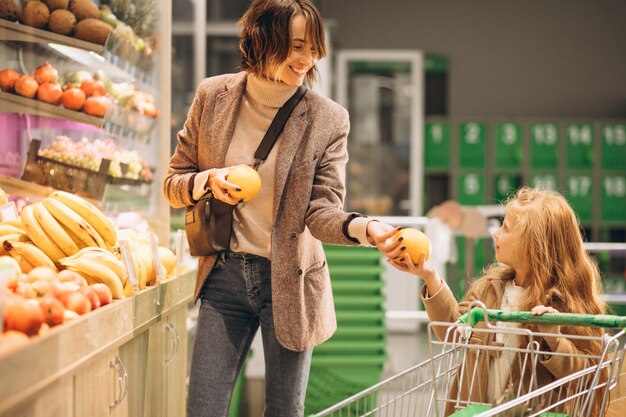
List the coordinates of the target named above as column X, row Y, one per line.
column 301, row 58
column 509, row 245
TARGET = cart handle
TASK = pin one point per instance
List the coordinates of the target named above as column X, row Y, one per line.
column 476, row 315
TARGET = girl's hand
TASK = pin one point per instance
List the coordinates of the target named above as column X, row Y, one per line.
column 404, row 263
column 547, row 328
column 220, row 187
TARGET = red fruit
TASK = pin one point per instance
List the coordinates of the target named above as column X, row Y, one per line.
column 92, row 86
column 73, row 98
column 53, row 310
column 77, row 302
column 91, row 295
column 8, row 77
column 26, row 86
column 50, row 93
column 46, row 73
column 104, row 293
column 96, row 105
column 24, row 316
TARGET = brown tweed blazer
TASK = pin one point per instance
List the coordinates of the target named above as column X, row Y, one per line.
column 308, row 203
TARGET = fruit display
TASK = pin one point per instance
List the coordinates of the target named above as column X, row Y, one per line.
column 66, row 232
column 84, row 20
column 44, row 298
column 88, row 154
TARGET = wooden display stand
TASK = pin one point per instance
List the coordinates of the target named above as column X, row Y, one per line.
column 125, row 359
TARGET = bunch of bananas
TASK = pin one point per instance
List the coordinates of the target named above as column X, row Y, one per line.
column 99, row 265
column 143, row 267
column 63, row 223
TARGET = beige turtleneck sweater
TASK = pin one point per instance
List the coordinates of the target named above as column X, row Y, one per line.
column 252, row 221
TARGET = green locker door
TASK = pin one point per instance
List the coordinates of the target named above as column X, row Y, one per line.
column 546, row 180
column 579, row 138
column 506, row 184
column 613, row 198
column 437, row 145
column 579, row 193
column 472, row 144
column 544, row 140
column 508, row 145
column 613, row 146
column 471, row 189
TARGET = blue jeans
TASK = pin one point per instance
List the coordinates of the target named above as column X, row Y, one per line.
column 235, row 299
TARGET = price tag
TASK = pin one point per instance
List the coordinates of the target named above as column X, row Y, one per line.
column 180, row 248
column 156, row 263
column 6, row 272
column 8, row 211
column 126, row 257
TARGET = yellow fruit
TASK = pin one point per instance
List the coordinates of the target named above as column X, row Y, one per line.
column 247, row 179
column 416, row 243
column 167, row 259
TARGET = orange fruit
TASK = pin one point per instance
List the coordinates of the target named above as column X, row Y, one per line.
column 416, row 243
column 247, row 179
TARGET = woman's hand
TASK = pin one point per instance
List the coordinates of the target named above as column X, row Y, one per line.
column 220, row 187
column 547, row 328
column 382, row 236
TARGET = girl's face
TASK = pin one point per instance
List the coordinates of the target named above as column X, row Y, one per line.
column 301, row 58
column 509, row 245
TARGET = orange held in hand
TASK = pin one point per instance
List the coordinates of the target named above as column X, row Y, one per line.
column 416, row 243
column 247, row 179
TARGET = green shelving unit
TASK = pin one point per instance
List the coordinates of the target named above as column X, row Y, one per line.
column 353, row 358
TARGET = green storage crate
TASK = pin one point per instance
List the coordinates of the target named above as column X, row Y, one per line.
column 472, row 144
column 373, row 318
column 505, row 185
column 333, row 381
column 613, row 198
column 579, row 193
column 544, row 143
column 471, row 189
column 547, row 180
column 357, row 287
column 358, row 272
column 437, row 145
column 508, row 145
column 352, row 256
column 579, row 140
column 613, row 145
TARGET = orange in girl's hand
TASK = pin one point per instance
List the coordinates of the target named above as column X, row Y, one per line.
column 416, row 243
column 247, row 179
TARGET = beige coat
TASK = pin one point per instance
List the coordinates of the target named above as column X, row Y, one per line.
column 309, row 192
column 443, row 307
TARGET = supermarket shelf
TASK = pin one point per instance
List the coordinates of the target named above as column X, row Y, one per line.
column 73, row 344
column 13, row 103
column 13, row 31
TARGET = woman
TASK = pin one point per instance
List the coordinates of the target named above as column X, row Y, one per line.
column 275, row 274
column 542, row 267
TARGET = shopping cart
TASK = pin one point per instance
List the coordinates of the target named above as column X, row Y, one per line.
column 435, row 386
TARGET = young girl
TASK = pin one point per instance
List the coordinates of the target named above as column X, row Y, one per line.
column 542, row 267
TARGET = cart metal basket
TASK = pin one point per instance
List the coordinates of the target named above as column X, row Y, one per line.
column 433, row 387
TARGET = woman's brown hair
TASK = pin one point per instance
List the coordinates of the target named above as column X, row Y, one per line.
column 265, row 39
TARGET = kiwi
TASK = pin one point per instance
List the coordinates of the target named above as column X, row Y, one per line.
column 35, row 14
column 84, row 9
column 56, row 4
column 93, row 30
column 10, row 10
column 62, row 21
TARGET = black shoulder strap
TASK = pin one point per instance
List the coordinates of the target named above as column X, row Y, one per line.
column 277, row 126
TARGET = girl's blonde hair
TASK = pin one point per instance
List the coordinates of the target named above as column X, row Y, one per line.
column 265, row 39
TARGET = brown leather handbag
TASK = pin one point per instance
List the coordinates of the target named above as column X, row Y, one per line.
column 208, row 224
